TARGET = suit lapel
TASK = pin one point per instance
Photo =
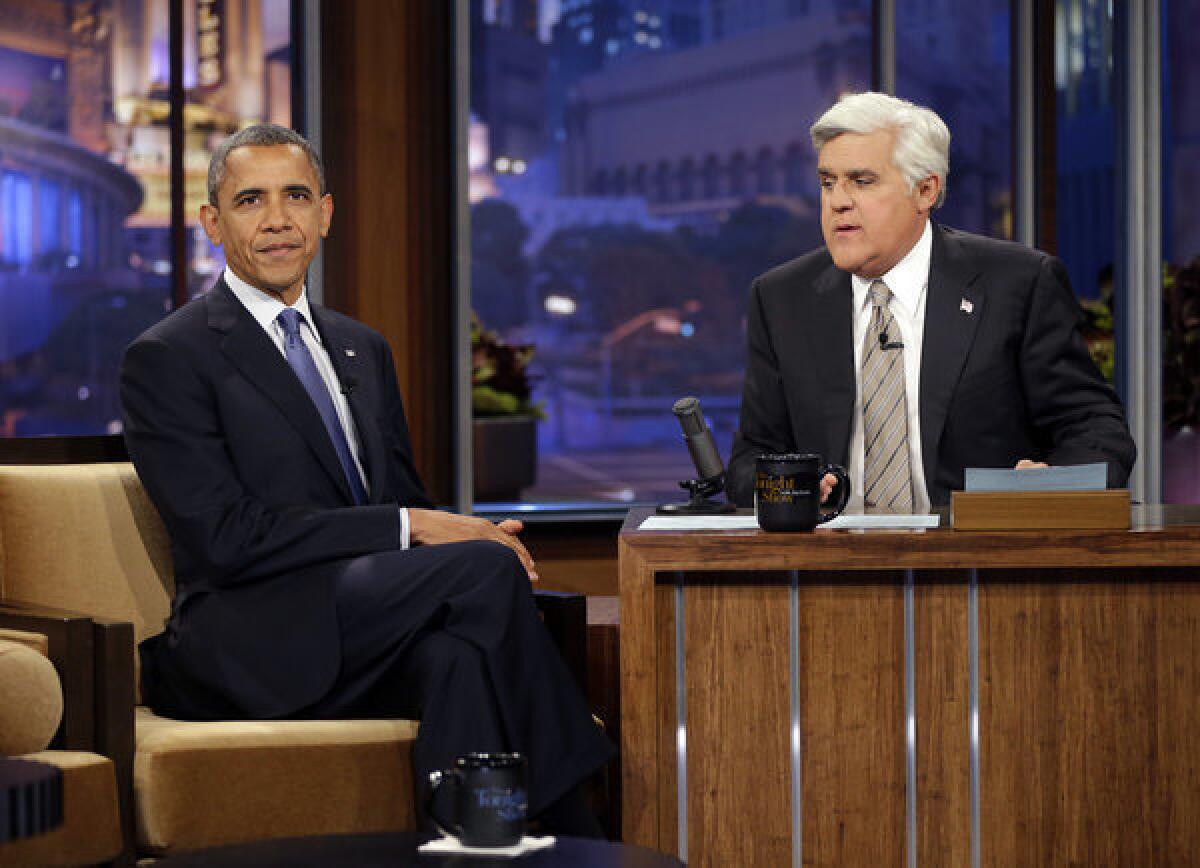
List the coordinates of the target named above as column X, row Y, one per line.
column 831, row 333
column 953, row 310
column 253, row 353
column 347, row 355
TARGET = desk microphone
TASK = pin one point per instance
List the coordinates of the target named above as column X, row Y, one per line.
column 699, row 439
column 707, row 460
column 885, row 344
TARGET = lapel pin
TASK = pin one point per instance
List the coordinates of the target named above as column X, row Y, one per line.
column 966, row 306
column 350, row 353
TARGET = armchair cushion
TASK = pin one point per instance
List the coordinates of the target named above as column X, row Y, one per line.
column 206, row 784
column 33, row 702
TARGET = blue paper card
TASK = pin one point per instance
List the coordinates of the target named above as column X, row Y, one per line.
column 1066, row 477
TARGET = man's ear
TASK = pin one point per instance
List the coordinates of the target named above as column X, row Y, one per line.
column 928, row 190
column 326, row 213
column 209, row 220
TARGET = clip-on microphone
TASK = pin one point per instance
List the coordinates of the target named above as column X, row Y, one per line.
column 711, row 470
column 885, row 344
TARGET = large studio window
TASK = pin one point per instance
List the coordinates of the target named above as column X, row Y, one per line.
column 625, row 189
column 1181, row 254
column 85, row 196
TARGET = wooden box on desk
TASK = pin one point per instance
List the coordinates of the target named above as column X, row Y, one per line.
column 1039, row 510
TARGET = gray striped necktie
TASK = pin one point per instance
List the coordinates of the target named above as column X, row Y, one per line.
column 886, row 473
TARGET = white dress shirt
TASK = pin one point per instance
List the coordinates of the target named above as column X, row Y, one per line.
column 265, row 309
column 908, row 281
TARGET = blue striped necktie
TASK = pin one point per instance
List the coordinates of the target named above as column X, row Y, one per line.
column 302, row 363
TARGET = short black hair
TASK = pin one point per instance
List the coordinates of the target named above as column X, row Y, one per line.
column 260, row 135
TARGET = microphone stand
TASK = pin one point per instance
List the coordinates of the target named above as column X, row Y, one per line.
column 701, row 491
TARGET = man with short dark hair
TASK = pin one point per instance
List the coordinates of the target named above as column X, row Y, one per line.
column 313, row 578
column 908, row 351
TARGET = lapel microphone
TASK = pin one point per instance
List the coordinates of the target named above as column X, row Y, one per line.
column 349, row 384
column 885, row 344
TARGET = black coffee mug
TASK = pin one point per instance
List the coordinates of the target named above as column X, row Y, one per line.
column 787, row 491
column 489, row 799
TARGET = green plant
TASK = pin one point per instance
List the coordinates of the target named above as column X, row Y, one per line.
column 1098, row 334
column 1181, row 346
column 500, row 381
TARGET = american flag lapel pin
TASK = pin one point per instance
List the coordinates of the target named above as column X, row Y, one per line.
column 966, row 306
column 350, row 353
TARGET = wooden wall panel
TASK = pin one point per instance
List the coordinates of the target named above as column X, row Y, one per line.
column 943, row 712
column 852, row 719
column 388, row 147
column 1089, row 715
column 576, row 557
column 736, row 642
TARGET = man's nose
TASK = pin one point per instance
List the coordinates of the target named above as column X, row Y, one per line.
column 276, row 216
column 840, row 198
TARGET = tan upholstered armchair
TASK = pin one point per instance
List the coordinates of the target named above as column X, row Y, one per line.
column 86, row 539
column 84, row 560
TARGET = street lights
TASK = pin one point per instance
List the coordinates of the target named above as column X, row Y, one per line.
column 664, row 320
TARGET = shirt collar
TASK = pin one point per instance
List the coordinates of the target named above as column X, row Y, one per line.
column 265, row 307
column 907, row 278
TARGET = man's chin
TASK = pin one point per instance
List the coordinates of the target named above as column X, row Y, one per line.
column 846, row 260
column 280, row 282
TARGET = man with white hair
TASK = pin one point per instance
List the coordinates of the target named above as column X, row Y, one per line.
column 906, row 350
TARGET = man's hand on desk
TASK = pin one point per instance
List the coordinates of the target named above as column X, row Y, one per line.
column 1026, row 464
column 431, row 527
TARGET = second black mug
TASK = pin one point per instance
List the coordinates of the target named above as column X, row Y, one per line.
column 787, row 491
column 489, row 799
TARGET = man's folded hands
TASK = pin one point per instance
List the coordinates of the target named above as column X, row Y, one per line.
column 431, row 527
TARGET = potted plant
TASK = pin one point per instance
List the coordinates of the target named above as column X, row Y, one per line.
column 1181, row 383
column 1098, row 334
column 504, row 416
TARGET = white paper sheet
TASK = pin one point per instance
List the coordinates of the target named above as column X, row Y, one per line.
column 748, row 522
column 878, row 521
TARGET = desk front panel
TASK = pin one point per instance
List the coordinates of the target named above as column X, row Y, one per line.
column 1089, row 718
column 1087, row 690
column 735, row 672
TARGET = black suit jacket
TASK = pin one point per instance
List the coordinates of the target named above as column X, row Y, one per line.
column 235, row 456
column 1004, row 376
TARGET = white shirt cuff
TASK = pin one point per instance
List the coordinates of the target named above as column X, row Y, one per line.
column 404, row 543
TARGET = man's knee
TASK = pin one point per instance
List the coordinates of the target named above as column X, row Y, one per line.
column 493, row 560
column 491, row 576
column 491, row 552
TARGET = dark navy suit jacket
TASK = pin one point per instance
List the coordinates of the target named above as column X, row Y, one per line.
column 235, row 456
column 1004, row 376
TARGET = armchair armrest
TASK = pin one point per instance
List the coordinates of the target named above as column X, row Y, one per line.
column 565, row 617
column 70, row 646
column 94, row 659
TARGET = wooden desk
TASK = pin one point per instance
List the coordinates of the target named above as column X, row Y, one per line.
column 893, row 697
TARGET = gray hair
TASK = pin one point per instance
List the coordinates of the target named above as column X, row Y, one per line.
column 922, row 139
column 260, row 135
